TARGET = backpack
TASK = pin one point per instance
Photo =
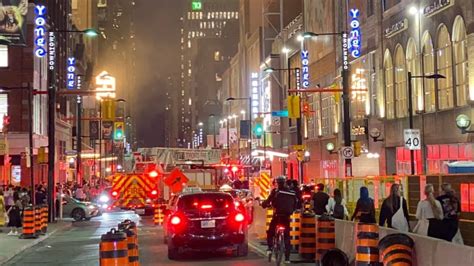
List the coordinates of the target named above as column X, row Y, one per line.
column 284, row 202
column 338, row 211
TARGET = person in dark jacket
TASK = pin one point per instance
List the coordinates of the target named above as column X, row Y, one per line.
column 391, row 205
column 294, row 185
column 320, row 200
column 365, row 208
column 451, row 210
column 284, row 202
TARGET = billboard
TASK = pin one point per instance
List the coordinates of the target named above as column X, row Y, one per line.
column 13, row 21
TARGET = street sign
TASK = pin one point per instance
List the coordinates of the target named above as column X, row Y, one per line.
column 347, row 152
column 412, row 138
column 299, row 147
column 280, row 113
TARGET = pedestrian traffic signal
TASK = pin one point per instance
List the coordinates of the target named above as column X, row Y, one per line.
column 306, row 109
column 118, row 131
column 258, row 128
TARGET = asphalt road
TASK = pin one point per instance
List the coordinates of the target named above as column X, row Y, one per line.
column 78, row 244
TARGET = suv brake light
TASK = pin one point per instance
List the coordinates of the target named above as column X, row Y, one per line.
column 114, row 193
column 175, row 220
column 206, row 207
column 239, row 217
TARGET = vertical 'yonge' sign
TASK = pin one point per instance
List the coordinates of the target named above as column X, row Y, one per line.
column 255, row 94
column 305, row 68
column 40, row 31
column 71, row 73
column 355, row 39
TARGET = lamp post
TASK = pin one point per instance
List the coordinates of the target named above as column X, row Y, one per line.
column 249, row 99
column 463, row 122
column 410, row 108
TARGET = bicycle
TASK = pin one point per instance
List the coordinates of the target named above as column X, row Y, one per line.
column 278, row 245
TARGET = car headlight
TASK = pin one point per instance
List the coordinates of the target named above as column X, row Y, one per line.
column 91, row 207
column 104, row 199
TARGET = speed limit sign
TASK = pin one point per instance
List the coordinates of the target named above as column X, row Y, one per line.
column 412, row 139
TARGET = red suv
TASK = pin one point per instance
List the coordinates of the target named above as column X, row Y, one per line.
column 206, row 221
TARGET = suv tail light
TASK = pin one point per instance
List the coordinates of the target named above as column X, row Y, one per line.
column 175, row 220
column 206, row 206
column 239, row 217
column 114, row 193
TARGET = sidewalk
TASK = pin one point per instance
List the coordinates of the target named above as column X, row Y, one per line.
column 10, row 246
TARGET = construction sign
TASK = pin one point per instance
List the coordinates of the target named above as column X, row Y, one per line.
column 294, row 103
column 264, row 183
column 175, row 180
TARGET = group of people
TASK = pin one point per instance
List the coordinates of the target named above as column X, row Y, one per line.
column 84, row 192
column 13, row 199
column 437, row 216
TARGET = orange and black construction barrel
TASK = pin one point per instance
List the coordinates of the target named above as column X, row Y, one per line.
column 268, row 219
column 44, row 218
column 295, row 223
column 28, row 223
column 325, row 235
column 158, row 216
column 132, row 246
column 396, row 250
column 38, row 219
column 308, row 236
column 113, row 248
column 335, row 257
column 367, row 240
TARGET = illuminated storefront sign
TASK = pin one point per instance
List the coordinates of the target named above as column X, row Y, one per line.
column 254, row 85
column 305, row 68
column 51, row 51
column 355, row 39
column 71, row 73
column 196, row 5
column 345, row 52
column 298, row 78
column 40, row 31
column 105, row 83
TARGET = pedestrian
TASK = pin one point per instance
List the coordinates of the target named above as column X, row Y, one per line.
column 451, row 210
column 336, row 206
column 294, row 186
column 25, row 197
column 3, row 211
column 428, row 212
column 79, row 194
column 320, row 200
column 14, row 215
column 365, row 208
column 40, row 196
column 394, row 210
column 8, row 196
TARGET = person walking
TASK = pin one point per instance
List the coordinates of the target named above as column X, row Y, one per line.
column 365, row 208
column 14, row 215
column 451, row 210
column 79, row 194
column 428, row 212
column 394, row 210
column 320, row 200
column 336, row 206
column 3, row 211
column 8, row 197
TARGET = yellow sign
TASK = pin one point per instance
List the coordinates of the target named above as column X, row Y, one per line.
column 42, row 155
column 108, row 109
column 294, row 106
column 299, row 147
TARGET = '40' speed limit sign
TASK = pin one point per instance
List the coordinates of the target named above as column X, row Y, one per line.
column 412, row 139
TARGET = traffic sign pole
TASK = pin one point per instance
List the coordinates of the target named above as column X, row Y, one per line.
column 410, row 115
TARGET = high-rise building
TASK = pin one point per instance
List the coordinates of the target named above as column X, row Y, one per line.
column 209, row 37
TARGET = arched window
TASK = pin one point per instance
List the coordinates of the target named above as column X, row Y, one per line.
column 413, row 66
column 460, row 61
column 429, row 69
column 389, row 97
column 401, row 103
column 445, row 64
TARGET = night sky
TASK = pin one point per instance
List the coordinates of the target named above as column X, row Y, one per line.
column 158, row 43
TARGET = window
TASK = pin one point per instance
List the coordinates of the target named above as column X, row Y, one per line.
column 3, row 56
column 217, row 56
column 460, row 61
column 413, row 66
column 445, row 63
column 429, row 68
column 389, row 97
column 370, row 8
column 401, row 103
column 467, row 197
column 387, row 4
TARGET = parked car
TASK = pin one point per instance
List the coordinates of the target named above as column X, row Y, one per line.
column 79, row 210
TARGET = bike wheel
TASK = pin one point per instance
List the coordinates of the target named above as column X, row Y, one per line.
column 279, row 249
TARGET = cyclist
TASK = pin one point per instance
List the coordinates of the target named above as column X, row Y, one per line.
column 284, row 202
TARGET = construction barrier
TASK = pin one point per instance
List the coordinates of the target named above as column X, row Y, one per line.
column 295, row 223
column 44, row 218
column 325, row 236
column 132, row 243
column 335, row 257
column 28, row 223
column 307, row 248
column 366, row 248
column 113, row 249
column 38, row 219
column 397, row 250
column 158, row 216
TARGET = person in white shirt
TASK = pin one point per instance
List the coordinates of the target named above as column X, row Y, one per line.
column 427, row 212
column 336, row 206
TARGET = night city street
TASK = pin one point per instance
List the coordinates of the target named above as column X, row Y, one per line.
column 237, row 132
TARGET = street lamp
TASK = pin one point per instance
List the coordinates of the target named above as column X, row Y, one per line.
column 463, row 122
column 90, row 32
column 375, row 134
column 410, row 108
column 330, row 148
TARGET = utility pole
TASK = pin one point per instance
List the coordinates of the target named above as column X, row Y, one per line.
column 346, row 101
column 79, row 141
column 51, row 125
column 31, row 148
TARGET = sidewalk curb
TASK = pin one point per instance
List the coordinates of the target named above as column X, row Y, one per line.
column 257, row 249
column 32, row 243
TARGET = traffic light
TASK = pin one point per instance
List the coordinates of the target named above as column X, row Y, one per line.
column 306, row 109
column 258, row 128
column 357, row 148
column 118, row 131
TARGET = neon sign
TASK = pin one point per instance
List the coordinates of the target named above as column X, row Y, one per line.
column 105, row 85
column 355, row 39
column 255, row 94
column 71, row 73
column 40, row 31
column 305, row 68
column 345, row 52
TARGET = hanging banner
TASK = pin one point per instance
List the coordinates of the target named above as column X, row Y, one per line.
column 13, row 20
column 107, row 129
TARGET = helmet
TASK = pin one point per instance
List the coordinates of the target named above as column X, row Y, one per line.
column 280, row 179
column 225, row 188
